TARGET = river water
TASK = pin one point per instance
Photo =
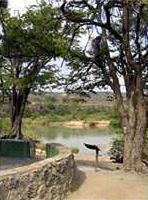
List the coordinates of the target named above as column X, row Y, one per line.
column 75, row 138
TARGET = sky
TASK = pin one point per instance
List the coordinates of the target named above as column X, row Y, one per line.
column 20, row 5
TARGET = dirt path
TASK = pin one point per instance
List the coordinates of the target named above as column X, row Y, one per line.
column 109, row 185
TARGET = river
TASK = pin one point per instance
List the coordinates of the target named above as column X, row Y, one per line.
column 75, row 138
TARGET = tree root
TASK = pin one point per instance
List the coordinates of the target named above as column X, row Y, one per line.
column 11, row 136
column 8, row 136
column 142, row 167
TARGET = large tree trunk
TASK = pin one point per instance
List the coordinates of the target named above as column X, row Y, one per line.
column 18, row 106
column 134, row 126
column 15, row 131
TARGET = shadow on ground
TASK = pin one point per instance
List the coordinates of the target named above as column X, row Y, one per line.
column 101, row 165
column 78, row 180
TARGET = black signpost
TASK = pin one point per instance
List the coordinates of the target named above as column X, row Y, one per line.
column 97, row 149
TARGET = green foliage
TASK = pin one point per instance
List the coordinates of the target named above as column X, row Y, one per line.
column 117, row 146
column 145, row 1
column 29, row 47
column 59, row 109
column 32, row 40
column 116, row 150
column 35, row 33
column 115, row 124
column 74, row 150
column 67, row 112
column 107, row 66
column 4, row 125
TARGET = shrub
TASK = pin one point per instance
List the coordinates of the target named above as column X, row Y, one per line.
column 116, row 151
column 4, row 125
column 74, row 150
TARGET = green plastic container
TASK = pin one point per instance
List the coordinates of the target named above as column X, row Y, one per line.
column 51, row 150
column 17, row 148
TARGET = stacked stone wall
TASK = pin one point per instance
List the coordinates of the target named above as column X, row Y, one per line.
column 49, row 179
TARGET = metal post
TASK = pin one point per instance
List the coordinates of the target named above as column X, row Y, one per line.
column 96, row 163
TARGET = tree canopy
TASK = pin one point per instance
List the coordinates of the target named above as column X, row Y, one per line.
column 30, row 44
column 106, row 20
column 119, row 60
column 115, row 55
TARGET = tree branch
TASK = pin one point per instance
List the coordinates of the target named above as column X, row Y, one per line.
column 72, row 16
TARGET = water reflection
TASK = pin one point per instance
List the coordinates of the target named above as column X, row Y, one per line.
column 76, row 137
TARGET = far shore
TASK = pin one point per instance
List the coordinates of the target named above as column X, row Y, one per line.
column 87, row 124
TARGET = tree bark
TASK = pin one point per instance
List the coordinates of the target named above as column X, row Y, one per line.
column 15, row 131
column 134, row 122
column 18, row 106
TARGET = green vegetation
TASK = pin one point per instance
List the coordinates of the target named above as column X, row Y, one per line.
column 74, row 150
column 117, row 53
column 4, row 125
column 116, row 150
column 31, row 43
column 46, row 111
column 115, row 123
column 59, row 108
column 27, row 56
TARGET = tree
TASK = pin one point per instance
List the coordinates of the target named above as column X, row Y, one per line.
column 30, row 45
column 3, row 6
column 120, row 57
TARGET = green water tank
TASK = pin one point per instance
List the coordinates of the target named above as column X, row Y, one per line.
column 51, row 150
column 17, row 148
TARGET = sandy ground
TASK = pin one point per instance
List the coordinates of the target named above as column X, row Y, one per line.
column 107, row 183
column 83, row 124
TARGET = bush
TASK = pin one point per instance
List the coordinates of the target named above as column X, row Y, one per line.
column 4, row 125
column 74, row 150
column 116, row 151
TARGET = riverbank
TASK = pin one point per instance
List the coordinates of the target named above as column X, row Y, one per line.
column 85, row 124
column 38, row 127
column 71, row 116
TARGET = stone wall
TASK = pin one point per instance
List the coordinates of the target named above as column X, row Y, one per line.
column 49, row 179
